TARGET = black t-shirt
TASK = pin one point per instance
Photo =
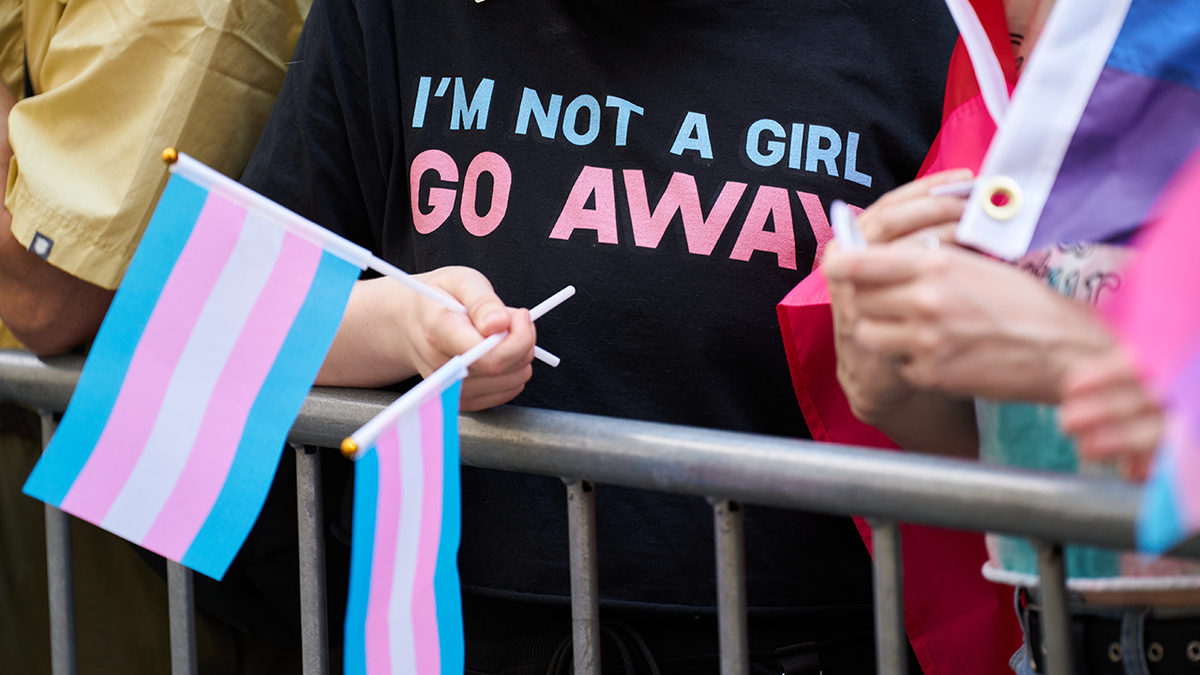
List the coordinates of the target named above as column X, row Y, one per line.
column 674, row 160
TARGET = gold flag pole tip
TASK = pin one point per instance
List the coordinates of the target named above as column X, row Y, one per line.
column 170, row 155
column 349, row 448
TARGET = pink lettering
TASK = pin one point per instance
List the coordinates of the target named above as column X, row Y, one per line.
column 440, row 199
column 819, row 223
column 575, row 215
column 775, row 203
column 485, row 162
column 680, row 196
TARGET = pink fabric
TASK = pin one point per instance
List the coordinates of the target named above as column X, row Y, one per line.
column 235, row 392
column 424, row 609
column 387, row 523
column 958, row 623
column 152, row 365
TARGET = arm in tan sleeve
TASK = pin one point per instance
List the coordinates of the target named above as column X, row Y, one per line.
column 48, row 310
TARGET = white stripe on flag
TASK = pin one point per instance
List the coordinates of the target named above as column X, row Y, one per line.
column 217, row 329
column 408, row 538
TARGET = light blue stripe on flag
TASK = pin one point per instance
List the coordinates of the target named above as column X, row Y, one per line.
column 366, row 499
column 103, row 374
column 1159, row 527
column 270, row 418
column 445, row 577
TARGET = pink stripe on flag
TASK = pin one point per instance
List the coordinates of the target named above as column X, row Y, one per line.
column 424, row 604
column 1186, row 449
column 235, row 392
column 1165, row 261
column 383, row 564
column 166, row 333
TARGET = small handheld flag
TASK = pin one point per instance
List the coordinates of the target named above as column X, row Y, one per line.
column 1106, row 111
column 1154, row 314
column 404, row 612
column 212, row 342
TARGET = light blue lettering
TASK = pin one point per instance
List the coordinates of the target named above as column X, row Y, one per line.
column 476, row 114
column 794, row 147
column 774, row 148
column 546, row 118
column 422, row 100
column 814, row 153
column 442, row 85
column 571, row 120
column 684, row 140
column 624, row 108
column 852, row 173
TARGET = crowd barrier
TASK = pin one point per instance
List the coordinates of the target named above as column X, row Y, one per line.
column 729, row 469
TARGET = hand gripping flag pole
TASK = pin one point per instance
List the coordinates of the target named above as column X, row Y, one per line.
column 454, row 369
column 404, row 612
column 206, row 176
column 202, row 363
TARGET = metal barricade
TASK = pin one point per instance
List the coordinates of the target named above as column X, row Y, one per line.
column 730, row 469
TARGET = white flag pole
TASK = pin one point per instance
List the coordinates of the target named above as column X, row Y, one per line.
column 454, row 369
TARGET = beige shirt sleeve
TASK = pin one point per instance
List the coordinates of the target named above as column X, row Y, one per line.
column 116, row 82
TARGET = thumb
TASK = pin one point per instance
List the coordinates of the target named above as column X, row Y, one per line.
column 486, row 310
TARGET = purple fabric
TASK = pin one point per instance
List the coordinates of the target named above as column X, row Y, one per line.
column 1133, row 135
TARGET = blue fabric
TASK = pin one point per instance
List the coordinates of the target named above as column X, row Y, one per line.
column 1158, row 41
column 1026, row 435
column 166, row 235
column 445, row 576
column 366, row 498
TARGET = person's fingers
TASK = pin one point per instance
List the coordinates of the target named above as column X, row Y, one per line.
column 487, row 311
column 1138, row 435
column 907, row 217
column 1136, row 467
column 1099, row 407
column 921, row 187
column 1098, row 375
column 880, row 265
column 480, row 394
column 903, row 339
column 514, row 352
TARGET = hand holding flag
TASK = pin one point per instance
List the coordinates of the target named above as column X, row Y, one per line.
column 404, row 612
column 212, row 342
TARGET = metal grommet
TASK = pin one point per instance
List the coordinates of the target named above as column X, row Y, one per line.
column 1001, row 197
column 1154, row 652
column 1193, row 651
column 1115, row 652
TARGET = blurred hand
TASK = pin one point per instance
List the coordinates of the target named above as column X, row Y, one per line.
column 910, row 209
column 390, row 333
column 875, row 389
column 961, row 323
column 1111, row 415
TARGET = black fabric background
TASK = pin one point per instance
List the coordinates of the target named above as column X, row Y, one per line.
column 653, row 333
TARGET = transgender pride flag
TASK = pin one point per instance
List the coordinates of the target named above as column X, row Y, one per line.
column 404, row 613
column 213, row 340
column 1105, row 112
column 1157, row 315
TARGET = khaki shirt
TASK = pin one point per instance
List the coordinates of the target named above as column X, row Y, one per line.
column 116, row 82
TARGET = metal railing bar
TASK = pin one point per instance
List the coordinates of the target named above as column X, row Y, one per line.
column 60, row 577
column 314, row 613
column 891, row 642
column 748, row 468
column 1056, row 627
column 181, row 612
column 730, row 534
column 585, row 586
